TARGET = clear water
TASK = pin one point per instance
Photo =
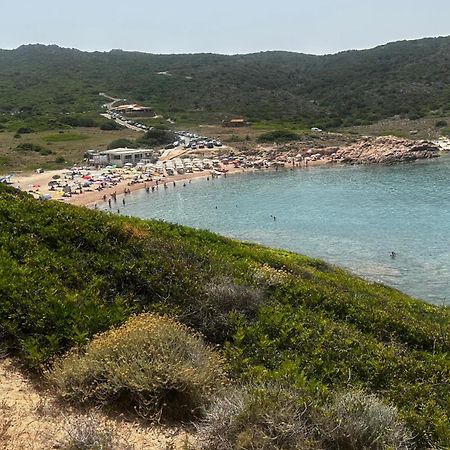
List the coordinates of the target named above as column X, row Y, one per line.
column 350, row 216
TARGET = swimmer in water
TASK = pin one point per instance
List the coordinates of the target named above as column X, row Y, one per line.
column 393, row 254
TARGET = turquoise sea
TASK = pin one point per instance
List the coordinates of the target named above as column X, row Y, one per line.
column 352, row 216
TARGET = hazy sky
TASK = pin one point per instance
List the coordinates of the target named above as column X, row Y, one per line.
column 225, row 26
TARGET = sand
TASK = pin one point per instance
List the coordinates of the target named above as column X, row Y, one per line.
column 32, row 419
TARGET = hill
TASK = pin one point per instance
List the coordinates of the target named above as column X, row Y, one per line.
column 407, row 78
column 68, row 273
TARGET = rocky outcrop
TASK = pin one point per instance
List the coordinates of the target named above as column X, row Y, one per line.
column 383, row 150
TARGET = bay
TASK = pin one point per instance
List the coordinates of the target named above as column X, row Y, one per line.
column 352, row 216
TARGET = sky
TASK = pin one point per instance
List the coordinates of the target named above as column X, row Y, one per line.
column 225, row 26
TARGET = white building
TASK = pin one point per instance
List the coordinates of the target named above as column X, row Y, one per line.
column 121, row 156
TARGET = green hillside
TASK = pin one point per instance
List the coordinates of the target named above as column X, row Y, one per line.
column 408, row 78
column 67, row 273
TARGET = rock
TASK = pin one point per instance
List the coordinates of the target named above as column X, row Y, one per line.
column 385, row 149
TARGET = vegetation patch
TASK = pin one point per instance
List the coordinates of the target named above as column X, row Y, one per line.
column 151, row 364
column 64, row 137
column 79, row 121
column 278, row 136
column 157, row 136
column 278, row 417
column 122, row 143
column 29, row 147
column 110, row 126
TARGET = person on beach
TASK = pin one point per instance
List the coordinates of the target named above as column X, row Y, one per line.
column 123, row 202
column 104, row 198
column 109, row 203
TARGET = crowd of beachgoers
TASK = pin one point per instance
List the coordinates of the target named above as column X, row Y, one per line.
column 90, row 185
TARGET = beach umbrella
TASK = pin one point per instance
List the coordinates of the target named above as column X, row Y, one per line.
column 46, row 197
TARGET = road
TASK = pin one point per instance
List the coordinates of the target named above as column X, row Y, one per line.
column 122, row 122
column 110, row 105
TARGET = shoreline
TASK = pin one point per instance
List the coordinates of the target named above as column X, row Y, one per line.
column 90, row 198
column 379, row 150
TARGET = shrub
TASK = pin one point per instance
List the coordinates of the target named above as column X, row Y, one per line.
column 25, row 130
column 211, row 314
column 278, row 136
column 158, row 136
column 359, row 421
column 151, row 364
column 87, row 433
column 75, row 121
column 441, row 124
column 276, row 417
column 265, row 417
column 109, row 126
column 119, row 143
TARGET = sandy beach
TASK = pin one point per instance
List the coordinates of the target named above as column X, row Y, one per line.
column 37, row 184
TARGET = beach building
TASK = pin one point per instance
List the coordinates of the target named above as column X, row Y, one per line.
column 121, row 156
column 235, row 123
column 134, row 110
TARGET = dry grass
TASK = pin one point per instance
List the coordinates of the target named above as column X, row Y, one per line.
column 359, row 421
column 266, row 417
column 151, row 365
column 89, row 433
column 275, row 417
column 424, row 128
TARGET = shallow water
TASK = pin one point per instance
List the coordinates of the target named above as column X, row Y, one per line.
column 350, row 216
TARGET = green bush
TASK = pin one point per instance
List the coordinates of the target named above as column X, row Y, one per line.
column 441, row 124
column 150, row 364
column 110, row 126
column 158, row 136
column 25, row 130
column 278, row 136
column 79, row 121
column 122, row 143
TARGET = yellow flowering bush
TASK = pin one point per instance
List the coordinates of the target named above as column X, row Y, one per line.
column 151, row 364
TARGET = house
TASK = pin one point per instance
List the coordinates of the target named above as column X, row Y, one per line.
column 134, row 110
column 121, row 156
column 235, row 123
